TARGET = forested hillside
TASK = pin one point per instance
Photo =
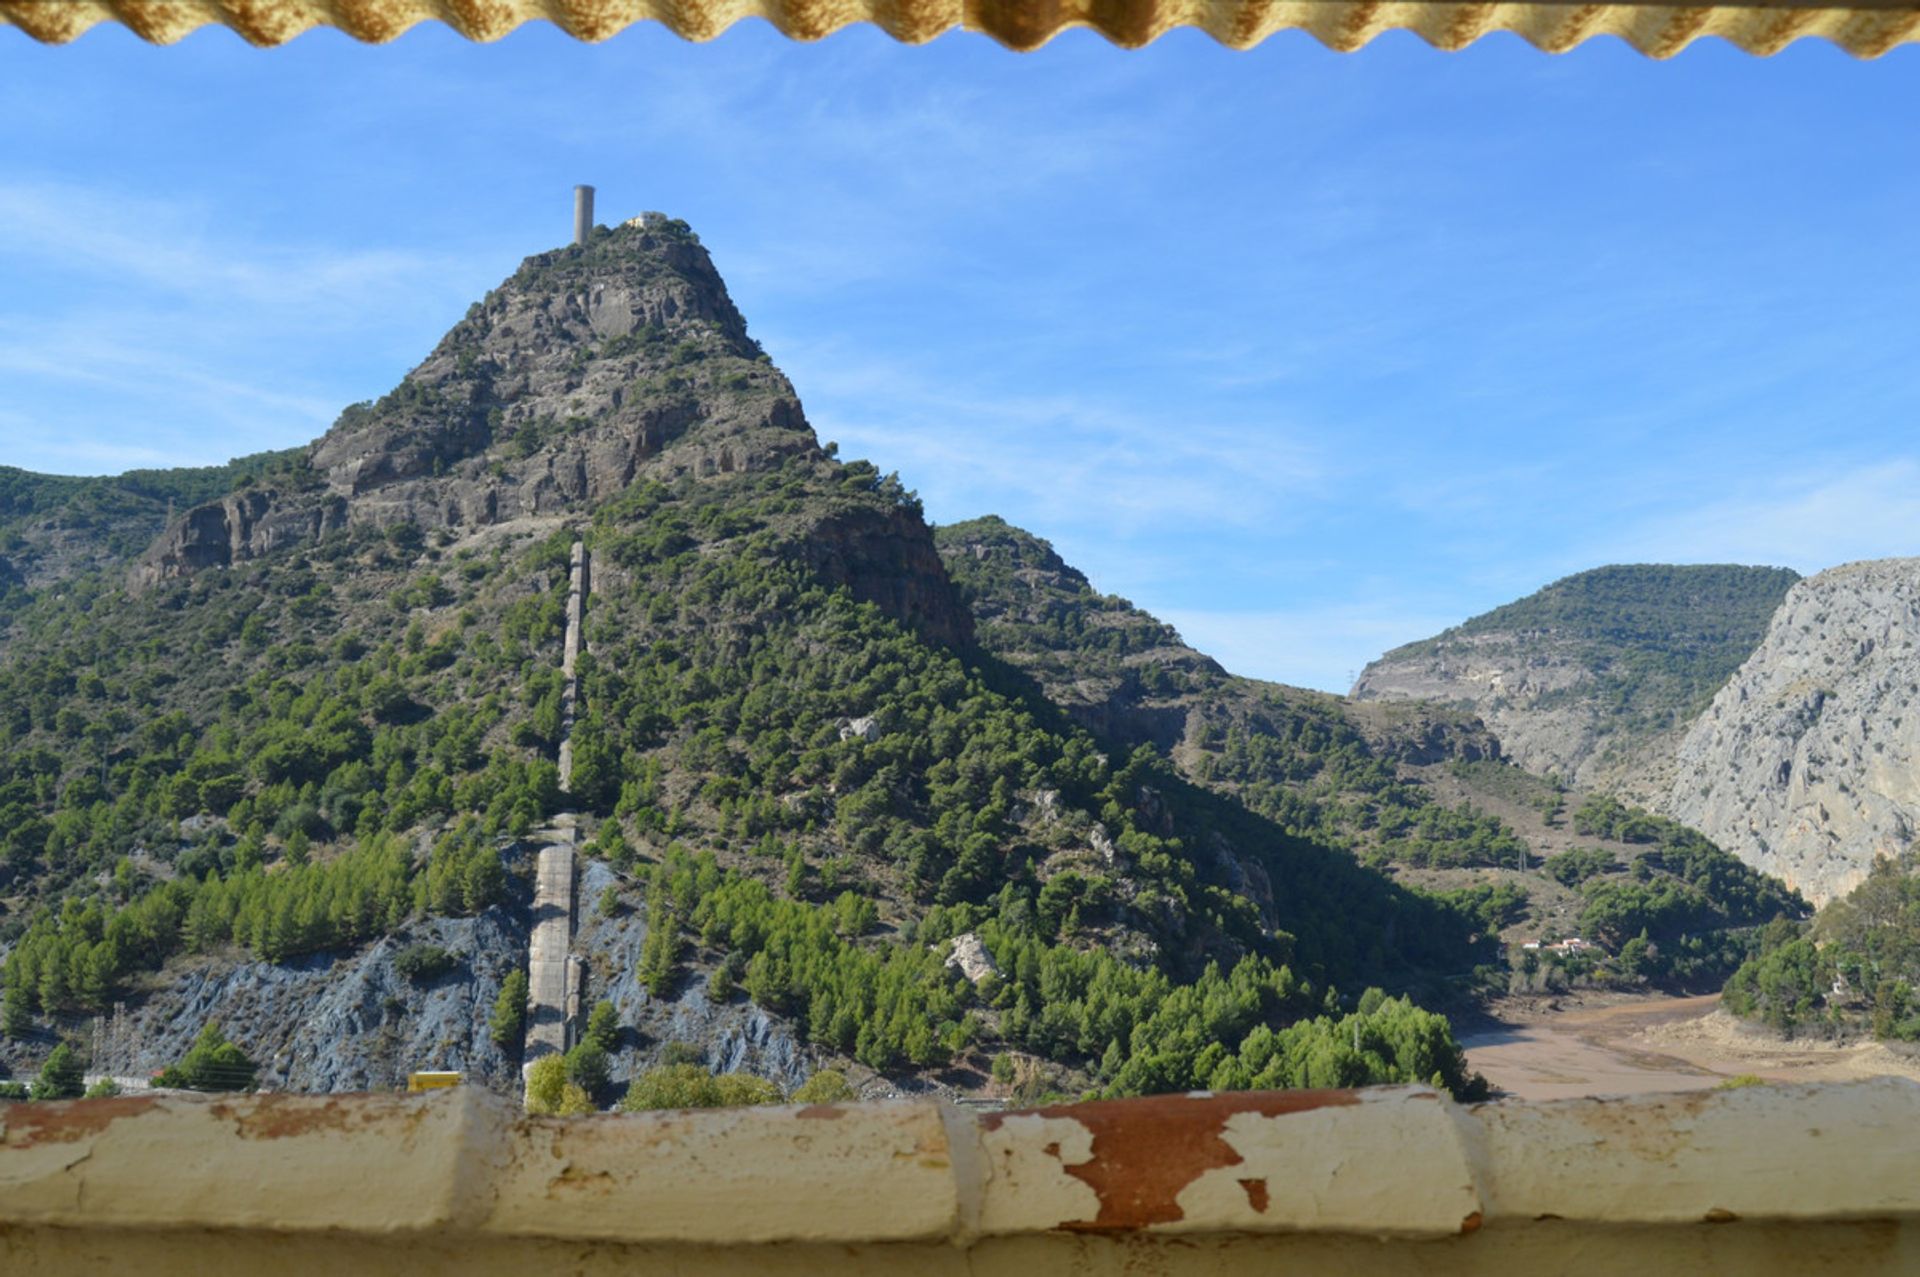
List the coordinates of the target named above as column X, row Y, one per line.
column 325, row 706
column 57, row 526
column 1854, row 970
column 1416, row 791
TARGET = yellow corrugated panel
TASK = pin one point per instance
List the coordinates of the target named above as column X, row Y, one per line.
column 1867, row 28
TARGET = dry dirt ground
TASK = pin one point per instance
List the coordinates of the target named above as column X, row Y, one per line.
column 1548, row 1050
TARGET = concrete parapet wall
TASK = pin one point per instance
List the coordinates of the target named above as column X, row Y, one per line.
column 1756, row 1181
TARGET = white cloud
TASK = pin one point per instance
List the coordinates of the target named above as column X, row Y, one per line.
column 138, row 331
column 78, row 230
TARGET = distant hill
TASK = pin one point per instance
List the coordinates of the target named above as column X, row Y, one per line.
column 1593, row 677
column 56, row 526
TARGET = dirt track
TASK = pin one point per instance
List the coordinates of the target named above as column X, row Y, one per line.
column 1663, row 1044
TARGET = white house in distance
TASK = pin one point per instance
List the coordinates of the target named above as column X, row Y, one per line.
column 1571, row 945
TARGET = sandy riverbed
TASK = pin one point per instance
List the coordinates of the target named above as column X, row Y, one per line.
column 1647, row 1045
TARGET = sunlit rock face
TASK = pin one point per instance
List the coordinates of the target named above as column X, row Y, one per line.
column 1595, row 677
column 591, row 368
column 1807, row 764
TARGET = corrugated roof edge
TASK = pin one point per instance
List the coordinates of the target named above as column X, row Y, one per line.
column 1865, row 28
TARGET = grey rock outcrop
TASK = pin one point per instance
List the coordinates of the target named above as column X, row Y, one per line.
column 590, row 368
column 971, row 957
column 1526, row 687
column 1807, row 764
column 731, row 1034
column 345, row 1021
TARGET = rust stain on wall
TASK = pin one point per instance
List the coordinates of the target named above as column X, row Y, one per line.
column 63, row 1122
column 821, row 1112
column 274, row 1117
column 1256, row 1190
column 1146, row 1151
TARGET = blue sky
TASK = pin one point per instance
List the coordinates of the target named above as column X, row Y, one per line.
column 1310, row 354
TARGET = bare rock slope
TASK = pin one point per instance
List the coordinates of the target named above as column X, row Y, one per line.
column 1807, row 763
column 1594, row 677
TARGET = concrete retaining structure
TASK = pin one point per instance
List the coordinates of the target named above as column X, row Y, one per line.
column 570, row 662
column 552, row 988
column 1757, row 1181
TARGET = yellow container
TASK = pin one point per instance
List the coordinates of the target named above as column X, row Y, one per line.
column 431, row 1081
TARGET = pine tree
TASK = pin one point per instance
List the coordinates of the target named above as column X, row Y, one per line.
column 662, row 947
column 16, row 1010
column 61, row 1077
column 603, row 1027
column 508, row 1023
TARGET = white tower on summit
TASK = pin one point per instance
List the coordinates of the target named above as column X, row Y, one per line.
column 582, row 213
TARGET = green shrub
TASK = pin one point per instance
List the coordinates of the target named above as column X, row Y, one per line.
column 551, row 1093
column 424, row 963
column 828, row 1086
column 212, row 1064
column 61, row 1077
column 688, row 1086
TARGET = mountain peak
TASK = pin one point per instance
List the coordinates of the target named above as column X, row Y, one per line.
column 619, row 332
column 586, row 365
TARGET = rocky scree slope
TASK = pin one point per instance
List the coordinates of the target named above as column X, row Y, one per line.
column 1807, row 763
column 337, row 1020
column 1594, row 677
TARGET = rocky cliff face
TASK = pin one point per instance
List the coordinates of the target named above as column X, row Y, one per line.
column 338, row 1021
column 1595, row 677
column 552, row 394
column 1807, row 764
column 591, row 368
column 731, row 1033
column 1527, row 686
